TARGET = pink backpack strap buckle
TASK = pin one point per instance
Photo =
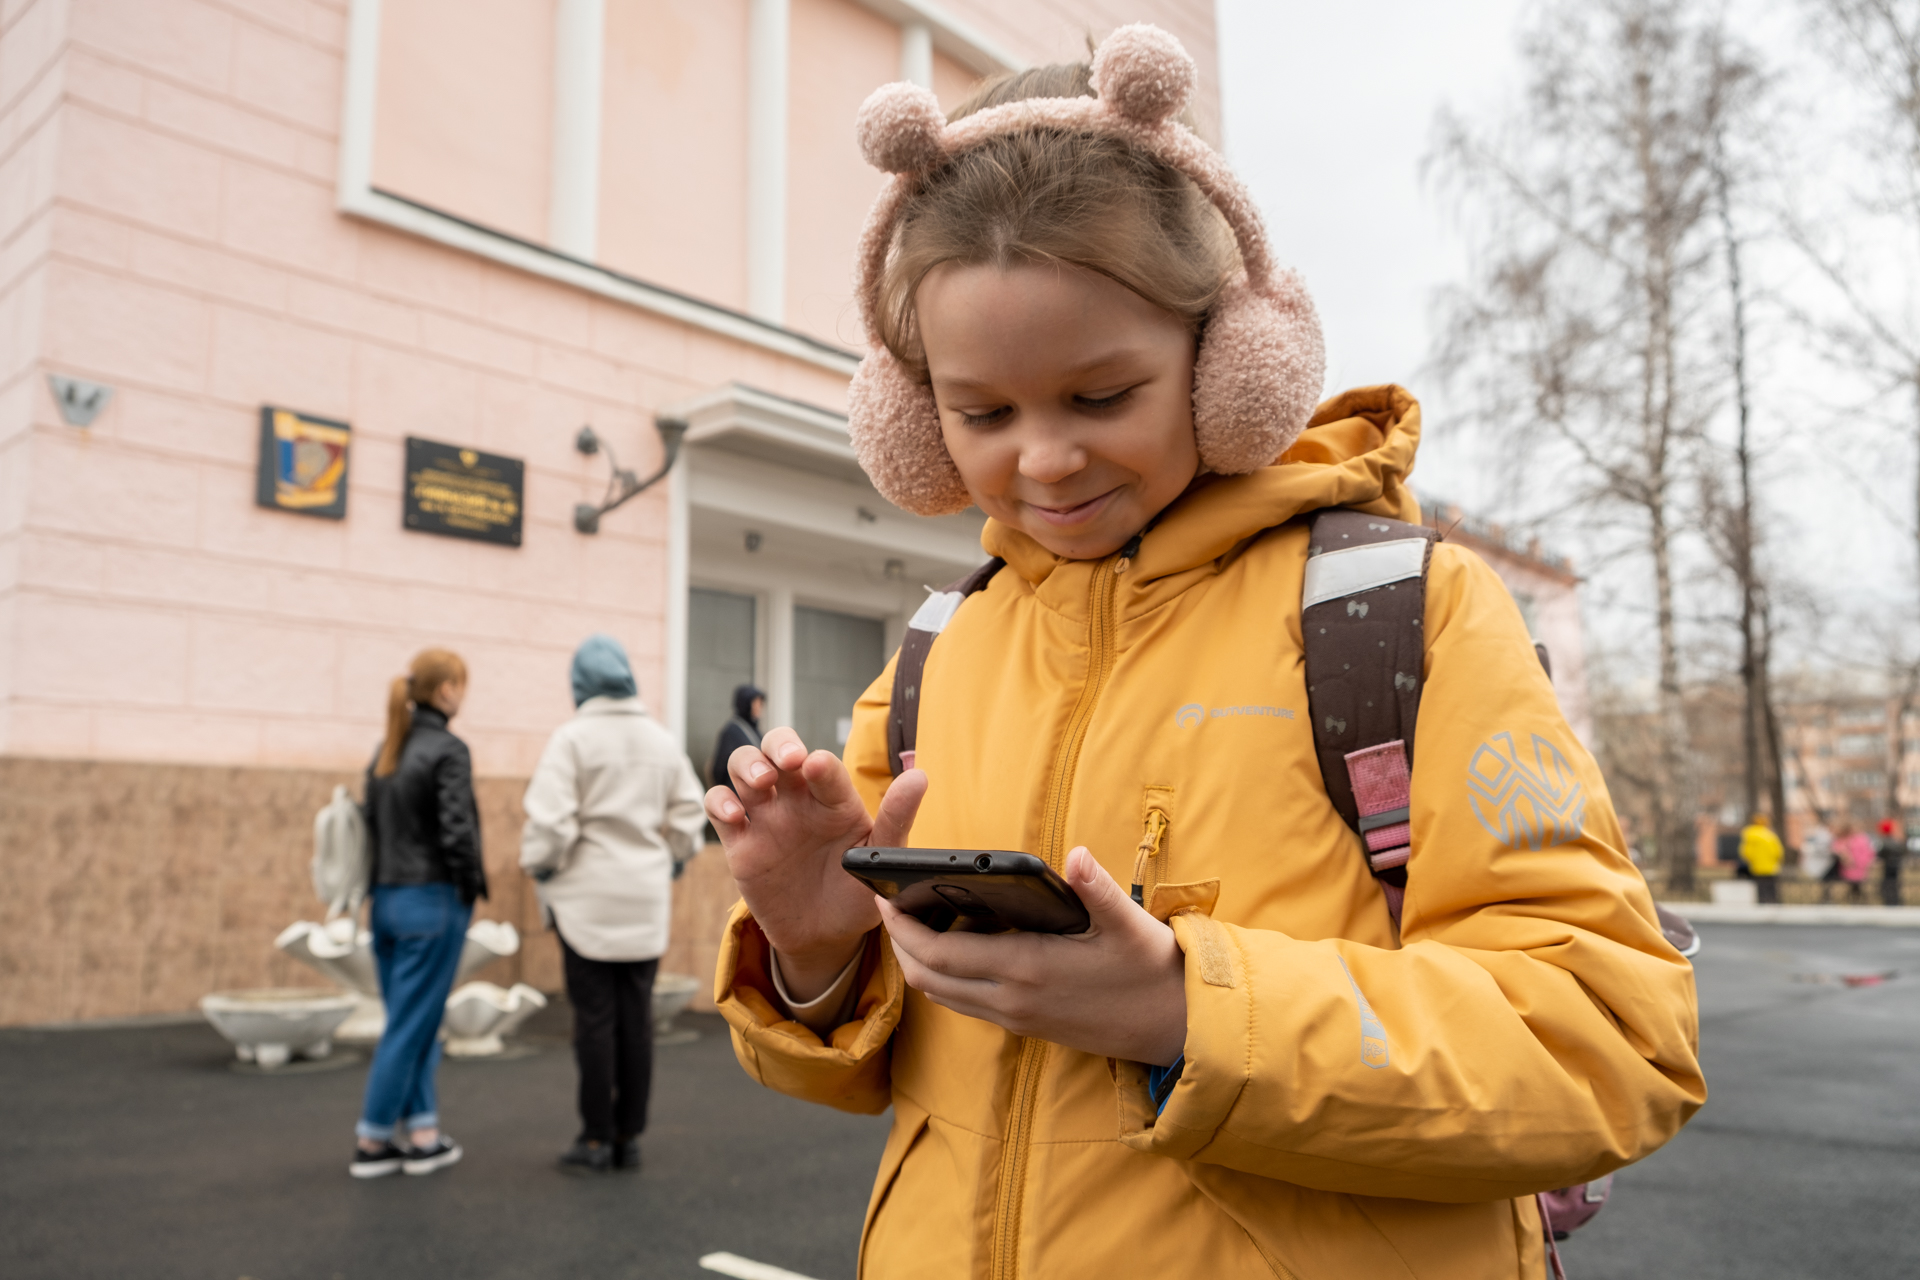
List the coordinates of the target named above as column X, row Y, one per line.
column 1383, row 795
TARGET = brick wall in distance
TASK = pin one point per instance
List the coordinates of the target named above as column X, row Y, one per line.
column 137, row 888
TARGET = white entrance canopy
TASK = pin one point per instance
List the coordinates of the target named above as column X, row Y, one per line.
column 768, row 503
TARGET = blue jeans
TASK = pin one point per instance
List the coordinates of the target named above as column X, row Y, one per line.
column 418, row 933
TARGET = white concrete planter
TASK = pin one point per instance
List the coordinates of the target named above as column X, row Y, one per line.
column 487, row 941
column 339, row 950
column 1735, row 893
column 672, row 993
column 480, row 1014
column 270, row 1025
column 342, row 952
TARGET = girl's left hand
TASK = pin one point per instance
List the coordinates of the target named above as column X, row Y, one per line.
column 1118, row 990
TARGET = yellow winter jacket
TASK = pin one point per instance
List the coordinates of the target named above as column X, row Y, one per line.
column 1538, row 1030
column 1761, row 850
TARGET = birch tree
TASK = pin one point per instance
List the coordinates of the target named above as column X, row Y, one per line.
column 1873, row 268
column 1584, row 333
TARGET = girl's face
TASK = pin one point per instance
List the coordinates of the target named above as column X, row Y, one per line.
column 1066, row 400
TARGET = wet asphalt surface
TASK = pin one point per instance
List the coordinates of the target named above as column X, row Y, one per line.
column 136, row 1152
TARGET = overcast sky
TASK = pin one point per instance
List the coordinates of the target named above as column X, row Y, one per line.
column 1329, row 111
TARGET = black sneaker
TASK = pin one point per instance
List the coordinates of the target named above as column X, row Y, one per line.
column 587, row 1157
column 424, row 1160
column 626, row 1155
column 376, row 1164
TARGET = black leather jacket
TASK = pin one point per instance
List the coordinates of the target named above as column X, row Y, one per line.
column 423, row 824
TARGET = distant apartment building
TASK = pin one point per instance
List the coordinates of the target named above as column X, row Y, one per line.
column 303, row 308
column 1843, row 753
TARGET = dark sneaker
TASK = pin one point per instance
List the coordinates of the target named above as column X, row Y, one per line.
column 626, row 1155
column 376, row 1164
column 587, row 1157
column 424, row 1160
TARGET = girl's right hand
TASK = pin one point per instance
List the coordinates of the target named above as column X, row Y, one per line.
column 794, row 815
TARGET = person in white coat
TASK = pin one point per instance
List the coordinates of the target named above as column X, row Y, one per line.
column 612, row 811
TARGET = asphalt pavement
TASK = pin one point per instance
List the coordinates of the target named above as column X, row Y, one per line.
column 137, row 1152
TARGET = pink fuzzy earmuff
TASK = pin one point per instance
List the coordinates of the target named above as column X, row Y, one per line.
column 1261, row 360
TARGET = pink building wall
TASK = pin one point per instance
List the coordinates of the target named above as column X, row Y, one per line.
column 168, row 226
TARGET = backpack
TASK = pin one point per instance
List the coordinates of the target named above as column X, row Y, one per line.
column 1362, row 610
column 341, row 866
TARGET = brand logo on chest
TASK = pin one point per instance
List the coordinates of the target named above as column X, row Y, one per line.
column 1194, row 714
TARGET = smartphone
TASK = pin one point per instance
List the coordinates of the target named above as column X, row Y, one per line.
column 970, row 890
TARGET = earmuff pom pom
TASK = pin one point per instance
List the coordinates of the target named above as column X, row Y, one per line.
column 895, row 430
column 1144, row 73
column 1261, row 367
column 899, row 128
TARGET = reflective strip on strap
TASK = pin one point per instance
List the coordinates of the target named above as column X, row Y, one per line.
column 1351, row 570
column 936, row 611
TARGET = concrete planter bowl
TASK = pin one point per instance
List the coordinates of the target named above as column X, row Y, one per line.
column 271, row 1025
column 479, row 1015
column 341, row 951
column 672, row 993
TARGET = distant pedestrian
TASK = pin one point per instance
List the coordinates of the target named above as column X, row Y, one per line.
column 423, row 828
column 612, row 811
column 1854, row 853
column 743, row 730
column 1893, row 851
column 1816, row 852
column 1761, row 853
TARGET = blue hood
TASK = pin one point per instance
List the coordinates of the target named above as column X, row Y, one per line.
column 601, row 670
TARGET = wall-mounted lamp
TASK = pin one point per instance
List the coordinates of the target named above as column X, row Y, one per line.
column 79, row 401
column 623, row 484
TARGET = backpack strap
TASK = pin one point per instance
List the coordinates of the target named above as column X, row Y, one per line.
column 1362, row 609
column 903, row 713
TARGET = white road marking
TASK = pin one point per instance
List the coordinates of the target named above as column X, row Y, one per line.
column 728, row 1264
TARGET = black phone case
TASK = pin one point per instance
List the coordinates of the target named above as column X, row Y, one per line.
column 970, row 890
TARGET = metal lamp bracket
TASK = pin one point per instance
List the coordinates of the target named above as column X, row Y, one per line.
column 623, row 484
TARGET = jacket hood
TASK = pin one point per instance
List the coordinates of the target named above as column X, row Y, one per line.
column 743, row 697
column 1357, row 451
column 601, row 670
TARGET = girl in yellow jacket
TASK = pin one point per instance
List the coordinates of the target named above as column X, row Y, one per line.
column 1077, row 328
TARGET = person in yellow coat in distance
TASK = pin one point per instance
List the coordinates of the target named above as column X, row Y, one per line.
column 1077, row 326
column 1762, row 851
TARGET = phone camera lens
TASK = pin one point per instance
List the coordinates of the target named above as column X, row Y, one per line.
column 983, row 863
column 874, row 856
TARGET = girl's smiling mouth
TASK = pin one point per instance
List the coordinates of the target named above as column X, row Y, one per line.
column 1061, row 517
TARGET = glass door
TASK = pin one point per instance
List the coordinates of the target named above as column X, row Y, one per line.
column 835, row 657
column 721, row 642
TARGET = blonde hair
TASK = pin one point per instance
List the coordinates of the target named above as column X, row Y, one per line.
column 1049, row 196
column 431, row 669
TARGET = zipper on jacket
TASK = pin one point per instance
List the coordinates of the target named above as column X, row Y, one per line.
column 1004, row 1264
column 1147, row 852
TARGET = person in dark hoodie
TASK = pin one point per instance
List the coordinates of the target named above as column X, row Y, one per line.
column 613, row 810
column 743, row 730
column 423, row 829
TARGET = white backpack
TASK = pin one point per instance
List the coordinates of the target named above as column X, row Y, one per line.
column 341, row 867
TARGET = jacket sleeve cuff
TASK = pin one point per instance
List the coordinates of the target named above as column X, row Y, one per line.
column 1215, row 1055
column 850, row 1068
column 825, row 1011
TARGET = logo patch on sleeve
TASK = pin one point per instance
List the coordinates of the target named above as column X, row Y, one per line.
column 1526, row 798
column 1373, row 1034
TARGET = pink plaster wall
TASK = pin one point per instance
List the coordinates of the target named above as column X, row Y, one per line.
column 465, row 108
column 192, row 257
column 167, row 225
column 673, row 175
column 840, row 53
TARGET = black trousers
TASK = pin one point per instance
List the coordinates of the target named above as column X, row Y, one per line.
column 612, row 1042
